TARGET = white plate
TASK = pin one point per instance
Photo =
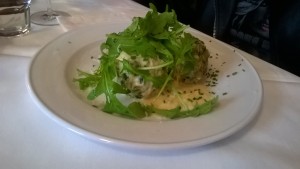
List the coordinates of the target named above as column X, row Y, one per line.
column 54, row 67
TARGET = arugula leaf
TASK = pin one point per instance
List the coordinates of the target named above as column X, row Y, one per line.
column 137, row 110
column 157, row 82
column 89, row 80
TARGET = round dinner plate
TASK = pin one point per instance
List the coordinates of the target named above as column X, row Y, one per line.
column 51, row 84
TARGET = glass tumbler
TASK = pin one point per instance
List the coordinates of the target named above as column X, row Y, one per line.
column 14, row 17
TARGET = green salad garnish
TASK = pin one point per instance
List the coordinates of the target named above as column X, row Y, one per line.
column 151, row 56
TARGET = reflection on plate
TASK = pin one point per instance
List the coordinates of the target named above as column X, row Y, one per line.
column 51, row 84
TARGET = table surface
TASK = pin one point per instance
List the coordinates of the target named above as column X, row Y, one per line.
column 31, row 140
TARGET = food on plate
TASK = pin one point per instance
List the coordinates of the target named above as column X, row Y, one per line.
column 156, row 65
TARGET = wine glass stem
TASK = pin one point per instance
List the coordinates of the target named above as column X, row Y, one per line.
column 50, row 11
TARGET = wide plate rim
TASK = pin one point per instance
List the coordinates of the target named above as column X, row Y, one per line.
column 130, row 143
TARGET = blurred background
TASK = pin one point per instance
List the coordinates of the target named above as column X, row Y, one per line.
column 266, row 29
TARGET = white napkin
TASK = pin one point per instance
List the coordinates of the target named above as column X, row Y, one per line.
column 28, row 45
column 69, row 23
column 106, row 15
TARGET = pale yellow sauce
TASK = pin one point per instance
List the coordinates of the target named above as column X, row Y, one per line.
column 187, row 96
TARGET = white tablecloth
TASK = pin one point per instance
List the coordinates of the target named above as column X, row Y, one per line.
column 30, row 140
